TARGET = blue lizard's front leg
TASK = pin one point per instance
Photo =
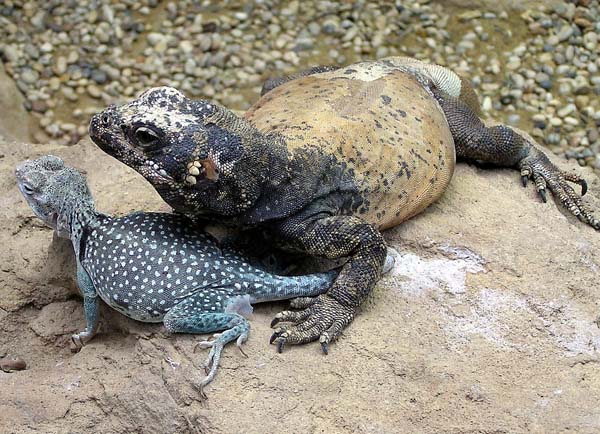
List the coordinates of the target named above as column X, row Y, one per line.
column 189, row 316
column 90, row 306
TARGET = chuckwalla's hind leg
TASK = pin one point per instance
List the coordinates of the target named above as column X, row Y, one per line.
column 503, row 146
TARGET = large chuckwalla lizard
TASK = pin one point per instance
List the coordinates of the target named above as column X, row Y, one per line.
column 324, row 161
column 154, row 267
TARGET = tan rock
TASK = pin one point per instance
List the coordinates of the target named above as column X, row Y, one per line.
column 487, row 323
column 14, row 119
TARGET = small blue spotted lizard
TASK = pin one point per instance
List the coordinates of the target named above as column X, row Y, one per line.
column 154, row 267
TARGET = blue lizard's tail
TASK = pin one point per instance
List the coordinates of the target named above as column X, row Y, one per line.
column 274, row 287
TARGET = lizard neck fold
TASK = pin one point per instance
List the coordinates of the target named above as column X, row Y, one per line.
column 243, row 163
column 75, row 217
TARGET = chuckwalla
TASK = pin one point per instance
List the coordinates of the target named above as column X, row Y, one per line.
column 324, row 161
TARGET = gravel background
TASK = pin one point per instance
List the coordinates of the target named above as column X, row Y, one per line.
column 536, row 67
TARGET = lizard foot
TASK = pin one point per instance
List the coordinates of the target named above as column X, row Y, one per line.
column 210, row 365
column 80, row 339
column 216, row 348
column 324, row 319
column 546, row 175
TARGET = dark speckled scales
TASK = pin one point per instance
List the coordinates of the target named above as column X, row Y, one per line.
column 272, row 83
column 334, row 237
column 499, row 145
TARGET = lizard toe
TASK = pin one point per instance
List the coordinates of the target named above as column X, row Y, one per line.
column 276, row 334
column 323, row 321
column 302, row 302
column 575, row 178
column 290, row 316
column 547, row 176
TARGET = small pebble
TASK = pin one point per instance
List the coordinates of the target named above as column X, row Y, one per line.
column 12, row 363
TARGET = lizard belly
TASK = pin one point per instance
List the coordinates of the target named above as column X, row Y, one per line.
column 380, row 123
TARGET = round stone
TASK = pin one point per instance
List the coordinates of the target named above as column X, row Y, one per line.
column 29, row 76
column 94, row 91
column 330, row 26
column 61, row 65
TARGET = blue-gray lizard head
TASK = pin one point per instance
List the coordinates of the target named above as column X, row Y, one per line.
column 52, row 190
column 189, row 150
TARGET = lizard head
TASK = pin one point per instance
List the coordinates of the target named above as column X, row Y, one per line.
column 187, row 149
column 52, row 190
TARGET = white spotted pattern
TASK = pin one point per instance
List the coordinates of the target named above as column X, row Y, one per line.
column 146, row 263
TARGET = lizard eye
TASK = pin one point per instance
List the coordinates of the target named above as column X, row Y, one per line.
column 145, row 137
column 28, row 190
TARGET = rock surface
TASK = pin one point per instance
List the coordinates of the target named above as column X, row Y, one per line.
column 14, row 118
column 488, row 323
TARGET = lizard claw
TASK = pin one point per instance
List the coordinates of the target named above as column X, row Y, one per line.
column 525, row 174
column 547, row 175
column 273, row 337
column 240, row 341
column 76, row 340
column 324, row 320
column 279, row 335
column 573, row 177
column 543, row 195
column 325, row 348
column 200, row 388
column 540, row 185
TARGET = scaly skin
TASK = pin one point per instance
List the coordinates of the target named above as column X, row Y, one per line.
column 503, row 146
column 154, row 267
column 324, row 161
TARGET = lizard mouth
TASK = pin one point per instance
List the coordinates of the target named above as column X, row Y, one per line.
column 155, row 172
column 194, row 171
column 201, row 170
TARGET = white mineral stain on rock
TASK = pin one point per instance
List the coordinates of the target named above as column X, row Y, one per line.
column 489, row 316
column 425, row 274
column 571, row 329
column 588, row 255
column 496, row 315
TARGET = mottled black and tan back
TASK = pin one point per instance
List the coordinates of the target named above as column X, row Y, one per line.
column 379, row 120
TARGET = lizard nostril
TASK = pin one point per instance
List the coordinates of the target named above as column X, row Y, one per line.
column 105, row 120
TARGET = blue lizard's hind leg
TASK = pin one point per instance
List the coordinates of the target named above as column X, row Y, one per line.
column 189, row 316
